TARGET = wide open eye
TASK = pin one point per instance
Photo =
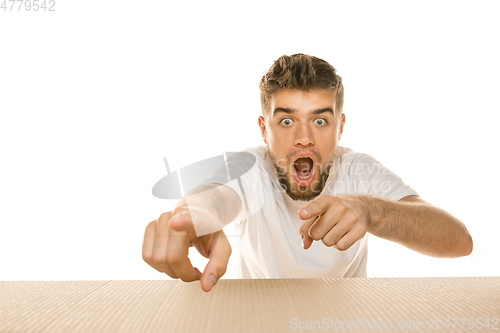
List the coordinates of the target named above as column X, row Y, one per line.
column 321, row 121
column 286, row 122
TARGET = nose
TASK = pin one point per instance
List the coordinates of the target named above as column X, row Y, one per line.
column 304, row 136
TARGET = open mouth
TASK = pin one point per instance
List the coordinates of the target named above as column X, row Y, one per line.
column 303, row 167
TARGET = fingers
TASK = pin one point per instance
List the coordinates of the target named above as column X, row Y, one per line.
column 177, row 251
column 148, row 242
column 349, row 239
column 317, row 227
column 150, row 251
column 338, row 228
column 325, row 223
column 337, row 219
column 161, row 238
column 217, row 265
column 332, row 237
column 304, row 232
column 166, row 249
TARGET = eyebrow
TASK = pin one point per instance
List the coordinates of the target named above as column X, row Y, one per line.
column 290, row 111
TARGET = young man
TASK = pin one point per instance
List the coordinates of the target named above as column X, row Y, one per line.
column 301, row 187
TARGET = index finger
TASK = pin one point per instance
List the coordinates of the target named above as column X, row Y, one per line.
column 316, row 207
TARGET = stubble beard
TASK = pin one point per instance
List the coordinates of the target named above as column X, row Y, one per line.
column 302, row 193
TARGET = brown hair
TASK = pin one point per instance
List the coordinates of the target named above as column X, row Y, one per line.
column 303, row 72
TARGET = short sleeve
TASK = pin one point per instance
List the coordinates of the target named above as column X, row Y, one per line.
column 387, row 184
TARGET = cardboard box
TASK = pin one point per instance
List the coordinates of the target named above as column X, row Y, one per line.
column 267, row 305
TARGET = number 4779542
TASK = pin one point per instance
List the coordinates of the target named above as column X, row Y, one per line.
column 28, row 5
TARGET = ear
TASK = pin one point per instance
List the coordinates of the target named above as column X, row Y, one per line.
column 262, row 126
column 342, row 122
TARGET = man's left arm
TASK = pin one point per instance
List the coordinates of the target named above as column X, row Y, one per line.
column 341, row 220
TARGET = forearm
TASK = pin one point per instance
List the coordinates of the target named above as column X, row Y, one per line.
column 220, row 200
column 419, row 227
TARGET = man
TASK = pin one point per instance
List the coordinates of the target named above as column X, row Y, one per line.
column 303, row 187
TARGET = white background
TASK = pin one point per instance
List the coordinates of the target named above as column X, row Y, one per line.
column 95, row 94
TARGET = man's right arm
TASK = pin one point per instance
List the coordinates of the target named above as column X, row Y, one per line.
column 197, row 220
column 221, row 200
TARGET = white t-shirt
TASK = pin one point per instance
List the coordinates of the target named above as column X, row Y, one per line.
column 268, row 223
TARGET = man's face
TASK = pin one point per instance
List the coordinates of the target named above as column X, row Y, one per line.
column 302, row 130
